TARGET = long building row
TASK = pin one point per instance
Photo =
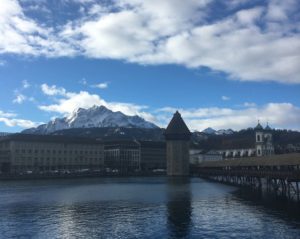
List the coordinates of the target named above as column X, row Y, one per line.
column 21, row 153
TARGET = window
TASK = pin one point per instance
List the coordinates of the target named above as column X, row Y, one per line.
column 258, row 138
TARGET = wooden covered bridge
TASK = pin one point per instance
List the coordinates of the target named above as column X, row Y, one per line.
column 276, row 173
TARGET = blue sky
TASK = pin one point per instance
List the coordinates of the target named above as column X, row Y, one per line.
column 223, row 64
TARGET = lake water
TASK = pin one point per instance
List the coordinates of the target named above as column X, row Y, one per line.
column 139, row 208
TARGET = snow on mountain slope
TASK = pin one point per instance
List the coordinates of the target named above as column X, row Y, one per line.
column 217, row 132
column 224, row 131
column 96, row 116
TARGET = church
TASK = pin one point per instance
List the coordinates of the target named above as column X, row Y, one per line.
column 261, row 145
column 263, row 140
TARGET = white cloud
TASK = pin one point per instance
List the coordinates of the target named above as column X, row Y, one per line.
column 25, row 84
column 278, row 10
column 249, row 104
column 235, row 45
column 71, row 101
column 5, row 114
column 83, row 81
column 53, row 90
column 103, row 85
column 279, row 115
column 225, row 98
column 20, row 98
column 19, row 122
column 257, row 44
column 10, row 120
column 23, row 35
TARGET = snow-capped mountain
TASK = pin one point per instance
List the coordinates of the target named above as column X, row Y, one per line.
column 224, row 131
column 94, row 117
column 212, row 131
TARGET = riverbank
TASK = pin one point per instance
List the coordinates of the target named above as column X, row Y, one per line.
column 7, row 177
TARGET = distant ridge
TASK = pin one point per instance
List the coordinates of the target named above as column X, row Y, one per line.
column 212, row 131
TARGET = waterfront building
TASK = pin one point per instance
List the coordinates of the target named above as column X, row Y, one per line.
column 200, row 156
column 153, row 155
column 2, row 134
column 177, row 137
column 122, row 156
column 133, row 155
column 21, row 153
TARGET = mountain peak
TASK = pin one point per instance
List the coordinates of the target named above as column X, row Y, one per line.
column 94, row 117
column 209, row 130
column 212, row 131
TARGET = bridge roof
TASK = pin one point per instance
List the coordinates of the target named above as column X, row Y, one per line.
column 274, row 160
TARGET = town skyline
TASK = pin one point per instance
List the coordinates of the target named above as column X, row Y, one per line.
column 222, row 65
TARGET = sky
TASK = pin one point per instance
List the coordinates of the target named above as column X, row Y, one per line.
column 222, row 64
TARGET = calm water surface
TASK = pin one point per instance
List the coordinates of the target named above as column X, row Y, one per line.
column 138, row 208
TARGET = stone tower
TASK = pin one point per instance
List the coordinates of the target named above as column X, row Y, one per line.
column 177, row 137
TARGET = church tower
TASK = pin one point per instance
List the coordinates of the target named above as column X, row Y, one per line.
column 177, row 137
column 263, row 140
column 259, row 139
column 269, row 147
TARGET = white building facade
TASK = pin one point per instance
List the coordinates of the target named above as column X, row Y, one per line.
column 34, row 153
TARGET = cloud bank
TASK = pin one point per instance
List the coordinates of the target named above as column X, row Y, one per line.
column 249, row 43
column 10, row 120
column 278, row 115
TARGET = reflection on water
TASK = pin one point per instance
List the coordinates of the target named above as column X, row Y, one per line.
column 269, row 203
column 138, row 208
column 179, row 206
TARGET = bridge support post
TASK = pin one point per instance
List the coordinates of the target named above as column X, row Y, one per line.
column 297, row 188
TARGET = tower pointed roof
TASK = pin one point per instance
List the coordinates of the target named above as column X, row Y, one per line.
column 268, row 128
column 258, row 126
column 177, row 129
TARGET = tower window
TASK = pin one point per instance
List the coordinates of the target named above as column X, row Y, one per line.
column 258, row 138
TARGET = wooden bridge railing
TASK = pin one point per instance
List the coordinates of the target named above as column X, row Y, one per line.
column 287, row 175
